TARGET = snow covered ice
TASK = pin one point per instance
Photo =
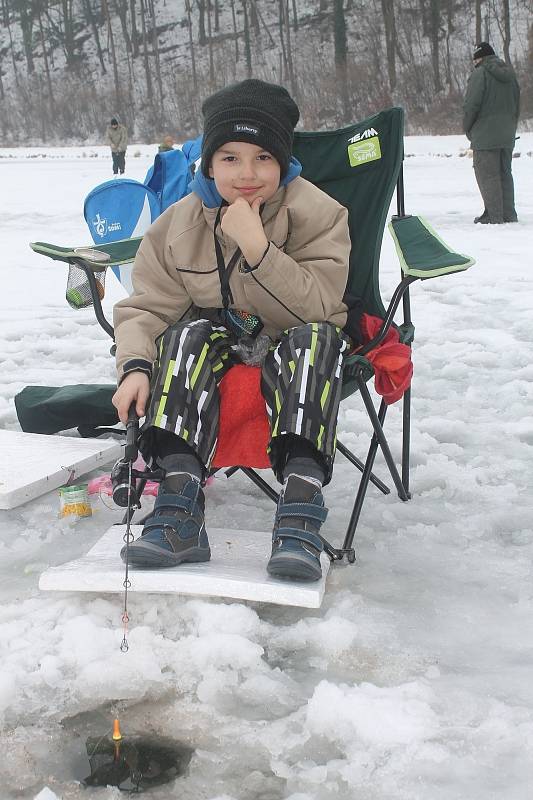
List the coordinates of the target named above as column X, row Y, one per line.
column 413, row 681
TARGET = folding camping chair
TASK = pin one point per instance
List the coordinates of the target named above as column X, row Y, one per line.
column 360, row 166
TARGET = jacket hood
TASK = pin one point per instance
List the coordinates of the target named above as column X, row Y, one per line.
column 498, row 69
column 207, row 191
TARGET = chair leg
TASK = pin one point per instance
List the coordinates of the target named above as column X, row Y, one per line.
column 378, row 431
column 257, row 479
column 406, row 438
column 363, row 484
column 378, row 439
column 360, row 466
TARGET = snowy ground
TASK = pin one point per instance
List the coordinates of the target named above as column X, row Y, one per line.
column 414, row 679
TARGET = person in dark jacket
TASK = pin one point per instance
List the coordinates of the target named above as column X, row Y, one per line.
column 117, row 139
column 491, row 109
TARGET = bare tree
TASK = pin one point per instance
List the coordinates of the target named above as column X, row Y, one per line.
column 201, row 22
column 210, row 47
column 155, row 50
column 478, row 20
column 25, row 9
column 506, row 13
column 431, row 20
column 191, row 46
column 450, row 30
column 122, row 12
column 2, row 96
column 111, row 40
column 247, row 44
column 68, row 32
column 265, row 26
column 254, row 17
column 134, row 32
column 89, row 15
column 389, row 20
column 295, row 15
column 45, row 59
column 285, row 40
column 341, row 56
column 7, row 24
column 235, row 32
column 146, row 59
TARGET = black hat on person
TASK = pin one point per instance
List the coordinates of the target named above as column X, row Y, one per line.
column 114, row 121
column 481, row 50
column 250, row 111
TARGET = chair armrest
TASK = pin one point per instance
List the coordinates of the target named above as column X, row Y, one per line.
column 93, row 259
column 96, row 257
column 399, row 292
column 421, row 251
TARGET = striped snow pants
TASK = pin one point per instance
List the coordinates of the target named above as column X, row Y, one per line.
column 301, row 383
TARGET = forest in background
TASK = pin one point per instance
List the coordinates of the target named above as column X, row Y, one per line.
column 67, row 66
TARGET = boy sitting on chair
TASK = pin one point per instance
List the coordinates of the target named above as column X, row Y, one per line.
column 250, row 267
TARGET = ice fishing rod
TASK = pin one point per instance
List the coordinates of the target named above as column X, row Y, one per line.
column 131, row 451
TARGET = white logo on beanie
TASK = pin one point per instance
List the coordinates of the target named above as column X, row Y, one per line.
column 240, row 127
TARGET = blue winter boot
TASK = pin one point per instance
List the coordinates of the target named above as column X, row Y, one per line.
column 175, row 533
column 296, row 543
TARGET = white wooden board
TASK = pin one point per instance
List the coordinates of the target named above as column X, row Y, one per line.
column 33, row 464
column 237, row 569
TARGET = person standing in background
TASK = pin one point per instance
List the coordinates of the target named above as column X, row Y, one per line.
column 491, row 109
column 117, row 139
column 166, row 145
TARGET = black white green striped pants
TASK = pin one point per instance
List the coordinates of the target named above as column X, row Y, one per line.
column 301, row 383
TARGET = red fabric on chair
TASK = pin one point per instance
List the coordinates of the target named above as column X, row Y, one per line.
column 244, row 430
column 393, row 368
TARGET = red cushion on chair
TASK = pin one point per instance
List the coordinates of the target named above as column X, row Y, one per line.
column 244, row 430
column 393, row 368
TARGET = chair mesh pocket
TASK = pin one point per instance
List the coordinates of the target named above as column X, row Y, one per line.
column 78, row 291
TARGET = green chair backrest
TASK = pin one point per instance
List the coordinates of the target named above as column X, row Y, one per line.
column 359, row 166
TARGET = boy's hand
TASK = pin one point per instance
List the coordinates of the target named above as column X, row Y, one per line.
column 242, row 223
column 135, row 388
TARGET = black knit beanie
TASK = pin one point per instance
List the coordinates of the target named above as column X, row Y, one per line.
column 251, row 111
column 482, row 49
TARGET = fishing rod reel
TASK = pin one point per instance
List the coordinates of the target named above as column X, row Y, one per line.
column 126, row 491
column 123, row 476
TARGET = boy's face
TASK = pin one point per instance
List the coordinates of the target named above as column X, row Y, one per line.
column 241, row 169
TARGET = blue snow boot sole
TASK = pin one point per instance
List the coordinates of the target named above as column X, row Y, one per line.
column 296, row 543
column 175, row 533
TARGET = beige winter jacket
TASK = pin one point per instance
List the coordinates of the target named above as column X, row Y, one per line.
column 117, row 138
column 302, row 277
